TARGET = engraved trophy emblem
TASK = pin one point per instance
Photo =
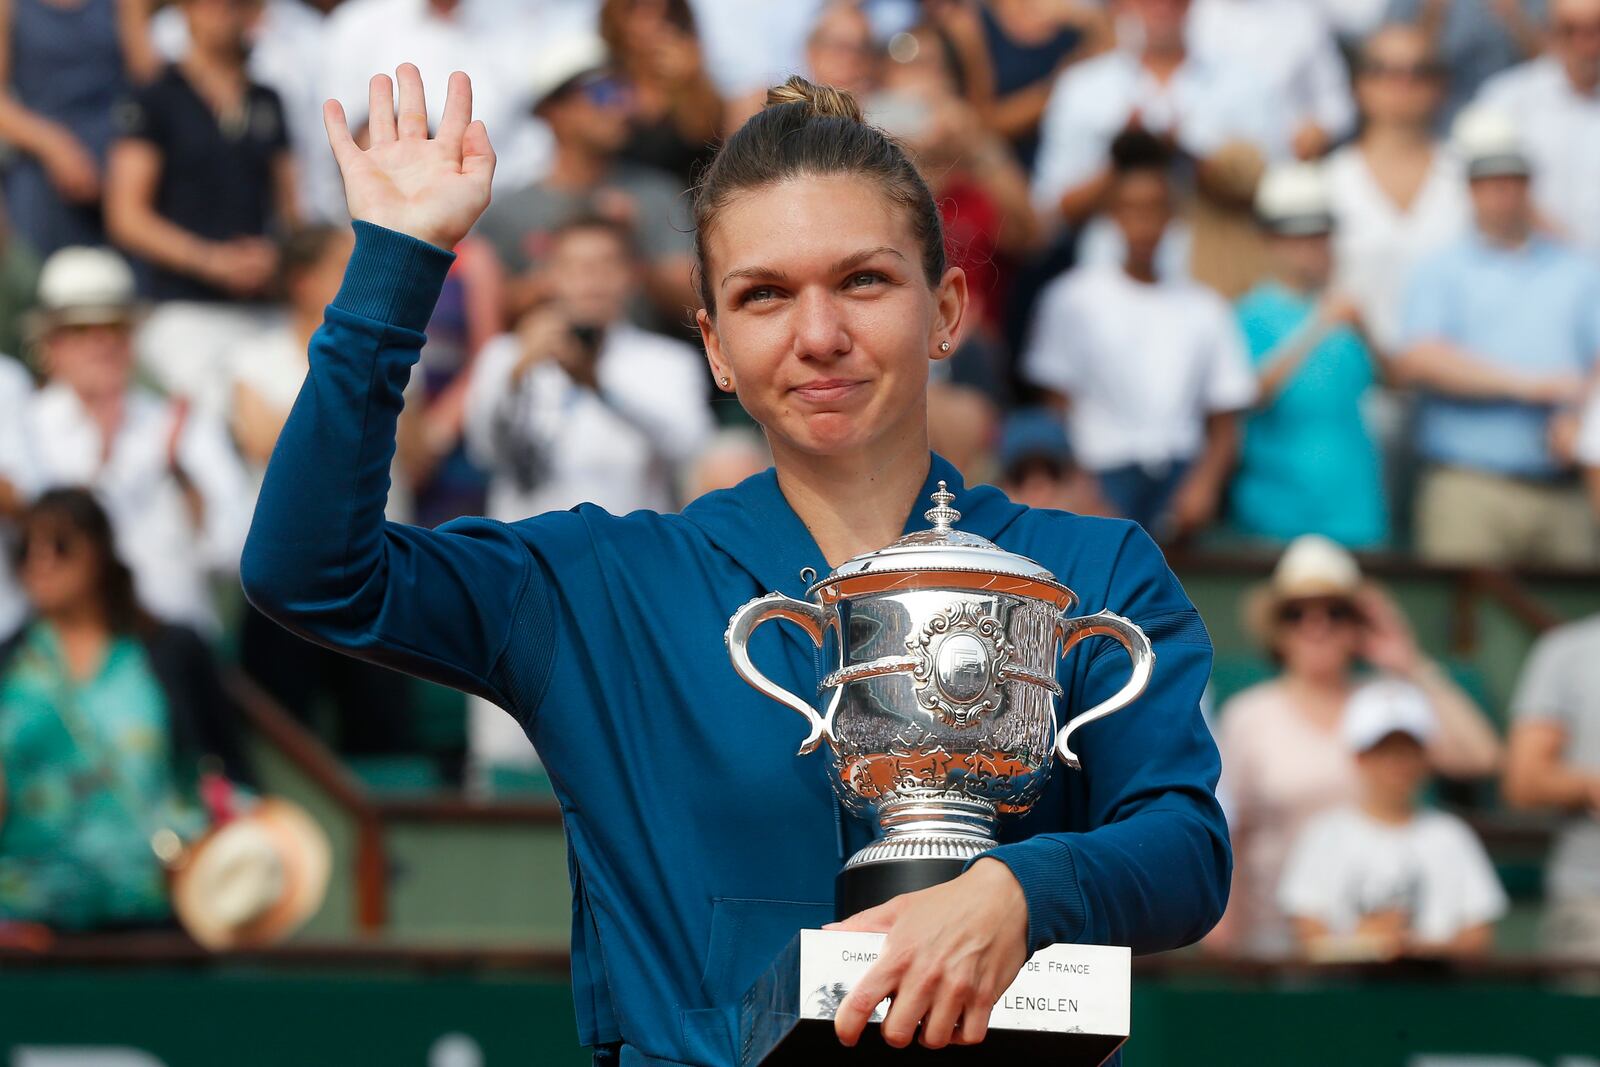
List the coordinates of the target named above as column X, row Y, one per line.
column 939, row 702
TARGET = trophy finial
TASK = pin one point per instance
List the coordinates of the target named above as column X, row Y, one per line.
column 942, row 515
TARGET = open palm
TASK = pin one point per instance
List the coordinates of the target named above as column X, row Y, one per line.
column 431, row 188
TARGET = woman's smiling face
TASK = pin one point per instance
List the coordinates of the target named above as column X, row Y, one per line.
column 824, row 318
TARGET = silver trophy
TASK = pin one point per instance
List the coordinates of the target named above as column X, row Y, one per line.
column 940, row 691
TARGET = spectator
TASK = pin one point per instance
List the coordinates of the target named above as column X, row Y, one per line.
column 1293, row 52
column 269, row 369
column 1282, row 759
column 981, row 191
column 107, row 717
column 1555, row 103
column 1553, row 763
column 1037, row 468
column 588, row 114
column 676, row 112
column 1152, row 373
column 1475, row 41
column 1027, row 44
column 1308, row 463
column 166, row 472
column 579, row 405
column 1398, row 194
column 288, row 56
column 750, row 47
column 732, row 455
column 1382, row 878
column 1501, row 328
column 63, row 68
column 197, row 181
column 841, row 51
column 19, row 473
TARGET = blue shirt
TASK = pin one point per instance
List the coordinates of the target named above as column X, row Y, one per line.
column 1535, row 309
column 698, row 842
column 1307, row 463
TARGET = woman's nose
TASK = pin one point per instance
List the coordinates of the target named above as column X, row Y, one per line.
column 820, row 330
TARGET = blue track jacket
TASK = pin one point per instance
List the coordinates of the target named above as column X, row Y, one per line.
column 698, row 843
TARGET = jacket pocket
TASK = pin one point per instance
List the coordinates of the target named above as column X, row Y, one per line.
column 746, row 937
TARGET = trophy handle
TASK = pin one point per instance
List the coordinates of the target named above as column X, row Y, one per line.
column 1106, row 624
column 804, row 614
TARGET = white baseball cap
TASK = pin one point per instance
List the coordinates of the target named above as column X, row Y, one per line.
column 568, row 56
column 1488, row 141
column 1386, row 706
column 81, row 286
column 1293, row 200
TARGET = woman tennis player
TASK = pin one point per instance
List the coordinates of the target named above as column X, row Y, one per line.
column 698, row 844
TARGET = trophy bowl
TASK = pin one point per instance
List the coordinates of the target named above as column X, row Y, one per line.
column 939, row 695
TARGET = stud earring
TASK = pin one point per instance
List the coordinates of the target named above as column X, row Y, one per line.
column 944, row 346
column 724, row 381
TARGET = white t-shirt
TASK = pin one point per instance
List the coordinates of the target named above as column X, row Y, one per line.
column 1561, row 131
column 1144, row 365
column 19, row 465
column 1347, row 864
column 619, row 448
column 171, row 559
column 1377, row 244
column 1289, row 46
column 1203, row 106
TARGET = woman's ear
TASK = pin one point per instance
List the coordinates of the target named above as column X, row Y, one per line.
column 713, row 347
column 951, row 312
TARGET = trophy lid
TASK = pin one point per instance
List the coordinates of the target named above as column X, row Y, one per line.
column 942, row 548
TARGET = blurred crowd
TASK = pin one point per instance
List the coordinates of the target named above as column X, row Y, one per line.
column 1322, row 274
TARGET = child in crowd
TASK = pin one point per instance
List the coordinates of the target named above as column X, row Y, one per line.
column 1384, row 878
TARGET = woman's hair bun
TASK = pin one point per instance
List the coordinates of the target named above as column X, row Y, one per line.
column 822, row 101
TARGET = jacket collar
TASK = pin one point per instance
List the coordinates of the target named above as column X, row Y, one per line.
column 754, row 524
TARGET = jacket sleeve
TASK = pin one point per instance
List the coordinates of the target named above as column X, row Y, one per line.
column 1148, row 864
column 321, row 560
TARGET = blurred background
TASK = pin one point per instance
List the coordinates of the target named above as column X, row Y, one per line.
column 1310, row 288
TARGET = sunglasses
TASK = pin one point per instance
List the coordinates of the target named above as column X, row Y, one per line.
column 1572, row 28
column 1416, row 72
column 1336, row 611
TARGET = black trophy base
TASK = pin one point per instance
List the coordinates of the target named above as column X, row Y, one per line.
column 858, row 888
column 813, row 1041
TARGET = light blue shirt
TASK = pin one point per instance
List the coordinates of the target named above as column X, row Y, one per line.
column 1535, row 309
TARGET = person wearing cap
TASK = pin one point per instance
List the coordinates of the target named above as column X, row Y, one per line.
column 1398, row 193
column 1501, row 332
column 1283, row 763
column 1554, row 100
column 1384, row 877
column 1307, row 463
column 1037, row 467
column 168, row 474
column 1151, row 371
column 587, row 108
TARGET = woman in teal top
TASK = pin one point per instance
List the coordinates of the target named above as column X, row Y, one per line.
column 103, row 714
column 1308, row 463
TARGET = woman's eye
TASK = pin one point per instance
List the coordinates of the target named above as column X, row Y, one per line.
column 864, row 278
column 758, row 294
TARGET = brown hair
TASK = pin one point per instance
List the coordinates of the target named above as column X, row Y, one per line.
column 77, row 509
column 808, row 129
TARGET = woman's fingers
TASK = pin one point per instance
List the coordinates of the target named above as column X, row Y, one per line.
column 380, row 110
column 413, row 119
column 862, row 1001
column 457, row 112
column 338, row 127
column 942, row 1015
column 912, row 999
column 974, row 1024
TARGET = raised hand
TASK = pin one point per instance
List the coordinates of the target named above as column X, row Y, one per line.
column 431, row 188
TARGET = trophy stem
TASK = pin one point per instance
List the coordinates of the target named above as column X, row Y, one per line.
column 927, row 839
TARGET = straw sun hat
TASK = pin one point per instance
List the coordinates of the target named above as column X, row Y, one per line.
column 1312, row 567
column 80, row 286
column 255, row 879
